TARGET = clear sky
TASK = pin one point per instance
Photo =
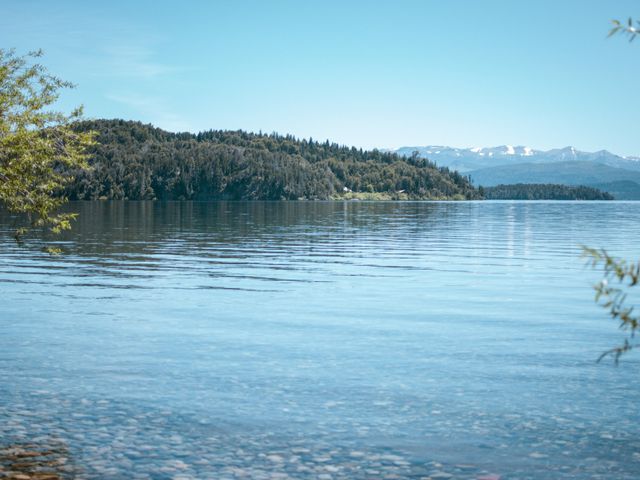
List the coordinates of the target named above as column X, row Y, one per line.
column 367, row 73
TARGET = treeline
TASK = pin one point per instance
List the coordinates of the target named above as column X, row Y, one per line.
column 139, row 162
column 537, row 191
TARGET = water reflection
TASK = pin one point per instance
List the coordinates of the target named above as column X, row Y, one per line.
column 349, row 340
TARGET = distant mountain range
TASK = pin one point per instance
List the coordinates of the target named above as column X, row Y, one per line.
column 507, row 164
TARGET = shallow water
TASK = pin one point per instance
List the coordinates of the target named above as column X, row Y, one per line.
column 320, row 340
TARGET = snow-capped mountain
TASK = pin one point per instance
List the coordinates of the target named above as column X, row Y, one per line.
column 507, row 164
column 468, row 159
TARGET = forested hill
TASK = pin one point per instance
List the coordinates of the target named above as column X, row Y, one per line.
column 136, row 161
column 534, row 191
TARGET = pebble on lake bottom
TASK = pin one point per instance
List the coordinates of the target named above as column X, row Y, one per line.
column 29, row 461
column 49, row 437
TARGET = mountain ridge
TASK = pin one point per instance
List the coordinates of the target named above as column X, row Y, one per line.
column 507, row 164
column 474, row 158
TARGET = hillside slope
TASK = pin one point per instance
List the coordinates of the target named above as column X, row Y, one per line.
column 568, row 173
column 136, row 161
column 621, row 189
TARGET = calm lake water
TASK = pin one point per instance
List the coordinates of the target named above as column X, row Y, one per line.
column 319, row 340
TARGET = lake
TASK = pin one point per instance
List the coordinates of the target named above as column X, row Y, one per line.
column 319, row 340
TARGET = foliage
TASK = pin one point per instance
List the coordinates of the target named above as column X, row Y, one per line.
column 544, row 191
column 612, row 298
column 135, row 161
column 627, row 28
column 38, row 146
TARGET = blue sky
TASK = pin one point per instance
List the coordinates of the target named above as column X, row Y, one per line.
column 367, row 73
